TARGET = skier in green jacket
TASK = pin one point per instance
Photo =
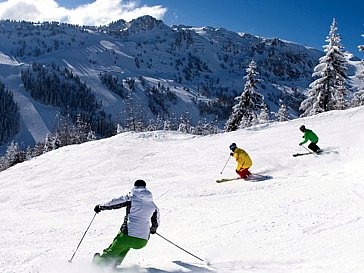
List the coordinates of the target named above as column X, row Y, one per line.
column 309, row 135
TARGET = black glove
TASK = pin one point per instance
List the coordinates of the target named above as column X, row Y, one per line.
column 97, row 209
column 153, row 230
column 231, row 154
column 300, row 144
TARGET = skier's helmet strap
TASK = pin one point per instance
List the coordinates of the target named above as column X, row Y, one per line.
column 302, row 128
column 232, row 146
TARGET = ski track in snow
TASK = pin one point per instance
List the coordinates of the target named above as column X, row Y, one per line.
column 307, row 219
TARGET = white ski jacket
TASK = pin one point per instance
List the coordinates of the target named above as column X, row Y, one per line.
column 140, row 212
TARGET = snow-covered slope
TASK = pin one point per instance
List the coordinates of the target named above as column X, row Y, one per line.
column 308, row 218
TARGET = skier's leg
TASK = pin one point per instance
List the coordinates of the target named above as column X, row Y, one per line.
column 116, row 252
column 110, row 255
column 239, row 173
column 121, row 257
column 317, row 148
column 243, row 173
column 313, row 147
column 130, row 242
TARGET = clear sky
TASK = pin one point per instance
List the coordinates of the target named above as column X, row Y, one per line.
column 303, row 21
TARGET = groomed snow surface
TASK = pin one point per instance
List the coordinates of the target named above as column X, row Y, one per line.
column 308, row 218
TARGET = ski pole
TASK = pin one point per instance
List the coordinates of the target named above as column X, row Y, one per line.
column 225, row 165
column 179, row 247
column 70, row 260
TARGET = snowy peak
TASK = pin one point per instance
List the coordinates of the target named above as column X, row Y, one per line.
column 117, row 25
column 146, row 23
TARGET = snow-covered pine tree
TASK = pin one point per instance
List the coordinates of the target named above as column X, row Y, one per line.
column 340, row 93
column 245, row 112
column 358, row 97
column 185, row 122
column 2, row 163
column 91, row 136
column 48, row 144
column 327, row 92
column 13, row 155
column 264, row 114
column 63, row 130
column 119, row 129
column 81, row 130
column 167, row 125
column 282, row 112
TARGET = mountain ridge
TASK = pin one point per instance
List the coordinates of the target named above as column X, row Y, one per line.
column 203, row 67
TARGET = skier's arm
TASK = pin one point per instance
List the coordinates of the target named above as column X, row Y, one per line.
column 305, row 139
column 155, row 221
column 116, row 203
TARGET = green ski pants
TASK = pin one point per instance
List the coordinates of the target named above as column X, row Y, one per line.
column 116, row 252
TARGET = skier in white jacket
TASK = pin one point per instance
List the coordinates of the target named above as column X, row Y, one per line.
column 136, row 229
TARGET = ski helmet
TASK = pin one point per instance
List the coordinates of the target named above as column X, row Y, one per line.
column 139, row 183
column 232, row 146
column 302, row 128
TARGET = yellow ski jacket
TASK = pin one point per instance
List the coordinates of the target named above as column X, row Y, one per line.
column 243, row 159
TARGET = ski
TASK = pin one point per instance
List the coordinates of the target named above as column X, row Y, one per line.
column 251, row 178
column 308, row 153
column 300, row 154
column 227, row 179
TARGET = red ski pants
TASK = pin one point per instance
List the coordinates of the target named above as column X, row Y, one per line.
column 243, row 173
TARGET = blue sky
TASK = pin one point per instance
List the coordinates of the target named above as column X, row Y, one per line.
column 303, row 21
column 306, row 22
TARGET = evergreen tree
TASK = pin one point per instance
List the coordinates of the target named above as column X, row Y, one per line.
column 340, row 93
column 264, row 114
column 2, row 163
column 9, row 115
column 245, row 112
column 358, row 97
column 167, row 125
column 327, row 92
column 63, row 130
column 131, row 116
column 81, row 131
column 48, row 144
column 185, row 122
column 13, row 155
column 91, row 136
column 282, row 112
column 119, row 129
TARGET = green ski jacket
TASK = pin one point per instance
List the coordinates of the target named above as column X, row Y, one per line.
column 309, row 136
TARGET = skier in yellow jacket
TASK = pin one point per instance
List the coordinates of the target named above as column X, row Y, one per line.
column 243, row 159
